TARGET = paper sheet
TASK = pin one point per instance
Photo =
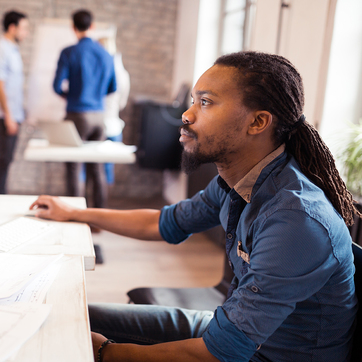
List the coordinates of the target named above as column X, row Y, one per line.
column 16, row 271
column 36, row 290
column 19, row 322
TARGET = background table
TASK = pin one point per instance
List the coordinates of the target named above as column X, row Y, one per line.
column 98, row 152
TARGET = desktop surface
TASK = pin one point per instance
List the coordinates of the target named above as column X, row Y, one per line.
column 70, row 238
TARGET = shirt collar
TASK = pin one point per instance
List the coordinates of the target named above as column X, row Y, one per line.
column 245, row 186
column 86, row 38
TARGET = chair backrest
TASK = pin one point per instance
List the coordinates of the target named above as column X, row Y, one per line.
column 356, row 229
column 159, row 146
column 357, row 337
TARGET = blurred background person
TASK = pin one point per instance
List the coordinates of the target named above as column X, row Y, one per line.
column 89, row 69
column 16, row 27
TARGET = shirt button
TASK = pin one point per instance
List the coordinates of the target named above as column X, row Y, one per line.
column 229, row 236
column 254, row 289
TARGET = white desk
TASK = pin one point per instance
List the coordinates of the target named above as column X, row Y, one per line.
column 65, row 238
column 65, row 335
column 99, row 152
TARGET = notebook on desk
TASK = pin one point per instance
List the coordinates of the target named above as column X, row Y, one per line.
column 61, row 133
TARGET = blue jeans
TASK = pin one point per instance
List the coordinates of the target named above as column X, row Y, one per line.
column 147, row 324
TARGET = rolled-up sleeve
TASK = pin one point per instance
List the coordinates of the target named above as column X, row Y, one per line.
column 201, row 212
column 226, row 342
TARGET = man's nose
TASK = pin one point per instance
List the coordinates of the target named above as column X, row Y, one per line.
column 187, row 117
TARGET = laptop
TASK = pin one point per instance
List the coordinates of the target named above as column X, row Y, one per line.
column 62, row 133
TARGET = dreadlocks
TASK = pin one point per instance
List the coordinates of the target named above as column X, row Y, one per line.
column 270, row 82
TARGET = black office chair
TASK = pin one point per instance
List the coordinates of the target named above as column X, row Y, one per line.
column 356, row 229
column 158, row 146
column 357, row 338
column 190, row 298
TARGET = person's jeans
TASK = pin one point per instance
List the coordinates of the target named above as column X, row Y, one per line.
column 7, row 147
column 147, row 324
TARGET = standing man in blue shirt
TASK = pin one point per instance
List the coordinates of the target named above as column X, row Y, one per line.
column 91, row 75
column 15, row 26
column 284, row 208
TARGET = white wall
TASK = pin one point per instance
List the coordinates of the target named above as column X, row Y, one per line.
column 51, row 36
column 343, row 95
column 185, row 49
column 174, row 182
column 207, row 36
column 304, row 38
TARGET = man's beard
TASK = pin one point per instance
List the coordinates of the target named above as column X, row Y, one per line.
column 190, row 162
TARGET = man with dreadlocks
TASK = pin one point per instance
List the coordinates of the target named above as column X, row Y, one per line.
column 284, row 208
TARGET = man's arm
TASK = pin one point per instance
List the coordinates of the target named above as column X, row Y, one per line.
column 10, row 123
column 190, row 350
column 139, row 224
column 62, row 73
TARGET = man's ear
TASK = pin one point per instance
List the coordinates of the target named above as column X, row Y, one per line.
column 262, row 121
column 12, row 28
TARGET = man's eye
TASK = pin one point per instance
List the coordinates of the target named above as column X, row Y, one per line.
column 204, row 102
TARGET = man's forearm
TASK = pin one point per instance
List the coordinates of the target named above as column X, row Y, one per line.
column 3, row 100
column 139, row 224
column 190, row 350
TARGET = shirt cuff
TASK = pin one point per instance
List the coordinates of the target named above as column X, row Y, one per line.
column 168, row 227
column 226, row 342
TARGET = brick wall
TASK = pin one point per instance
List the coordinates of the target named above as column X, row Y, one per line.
column 146, row 37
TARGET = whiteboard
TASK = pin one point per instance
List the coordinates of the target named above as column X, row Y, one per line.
column 50, row 38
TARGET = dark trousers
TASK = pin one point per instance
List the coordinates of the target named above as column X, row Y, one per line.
column 7, row 147
column 90, row 126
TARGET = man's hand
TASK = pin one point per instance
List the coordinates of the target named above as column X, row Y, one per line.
column 97, row 340
column 51, row 207
column 11, row 126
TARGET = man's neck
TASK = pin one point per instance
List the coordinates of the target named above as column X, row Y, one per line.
column 232, row 171
column 82, row 34
column 10, row 37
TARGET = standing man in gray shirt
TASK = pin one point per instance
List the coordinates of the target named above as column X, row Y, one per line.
column 11, row 88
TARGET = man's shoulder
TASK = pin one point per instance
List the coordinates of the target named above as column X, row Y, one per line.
column 292, row 190
column 6, row 46
column 3, row 42
column 99, row 48
column 3, row 48
column 66, row 51
column 92, row 46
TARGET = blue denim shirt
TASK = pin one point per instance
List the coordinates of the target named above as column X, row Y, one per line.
column 292, row 297
column 11, row 73
column 90, row 71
